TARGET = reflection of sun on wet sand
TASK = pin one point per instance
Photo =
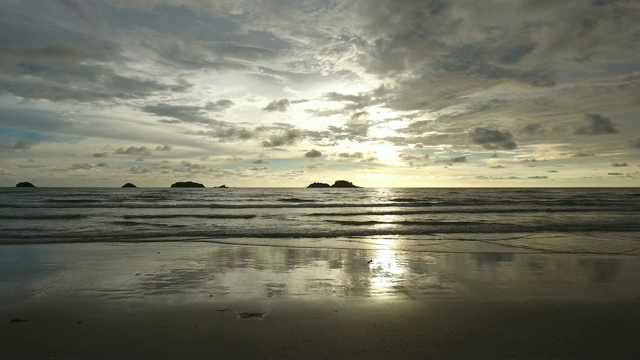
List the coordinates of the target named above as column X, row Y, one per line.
column 206, row 301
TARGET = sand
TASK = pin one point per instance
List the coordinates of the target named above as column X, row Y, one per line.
column 205, row 301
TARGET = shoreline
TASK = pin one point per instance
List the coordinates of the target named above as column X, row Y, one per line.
column 204, row 300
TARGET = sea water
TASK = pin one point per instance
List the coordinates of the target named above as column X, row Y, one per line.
column 566, row 220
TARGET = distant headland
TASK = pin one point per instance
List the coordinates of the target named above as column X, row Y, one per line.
column 337, row 184
column 189, row 184
column 128, row 185
column 25, row 184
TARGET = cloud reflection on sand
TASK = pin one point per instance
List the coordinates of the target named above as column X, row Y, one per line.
column 141, row 274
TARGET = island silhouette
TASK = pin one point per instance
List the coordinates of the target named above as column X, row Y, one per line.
column 25, row 184
column 128, row 185
column 188, row 184
column 337, row 184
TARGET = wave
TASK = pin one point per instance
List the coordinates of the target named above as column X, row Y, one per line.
column 294, row 199
column 163, row 233
column 408, row 200
column 136, row 223
column 199, row 216
column 43, row 217
column 72, row 201
column 311, row 204
column 473, row 211
column 404, row 222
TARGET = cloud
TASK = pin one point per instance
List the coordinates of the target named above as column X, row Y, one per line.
column 74, row 73
column 597, row 125
column 133, row 150
column 619, row 164
column 75, row 7
column 260, row 161
column 635, row 143
column 582, row 154
column 456, row 159
column 355, row 155
column 233, row 133
column 533, row 129
column 615, row 174
column 163, row 148
column 219, row 105
column 278, row 105
column 82, row 166
column 313, row 154
column 288, row 137
column 538, row 177
column 20, row 145
column 100, row 155
column 491, row 138
column 183, row 113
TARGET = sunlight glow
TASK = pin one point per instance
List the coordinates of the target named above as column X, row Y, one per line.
column 385, row 269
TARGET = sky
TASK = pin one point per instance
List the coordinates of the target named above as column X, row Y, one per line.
column 282, row 93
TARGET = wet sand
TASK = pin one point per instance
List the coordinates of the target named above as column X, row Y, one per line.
column 203, row 300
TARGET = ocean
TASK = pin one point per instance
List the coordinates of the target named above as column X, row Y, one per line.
column 521, row 220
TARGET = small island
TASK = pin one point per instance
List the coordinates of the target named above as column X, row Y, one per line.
column 223, row 186
column 337, row 184
column 319, row 185
column 187, row 184
column 128, row 185
column 25, row 184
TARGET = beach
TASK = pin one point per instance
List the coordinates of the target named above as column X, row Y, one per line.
column 206, row 300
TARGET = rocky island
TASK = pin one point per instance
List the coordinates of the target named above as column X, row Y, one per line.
column 319, row 185
column 188, row 184
column 337, row 184
column 25, row 184
column 128, row 185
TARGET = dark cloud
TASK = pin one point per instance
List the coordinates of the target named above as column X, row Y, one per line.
column 355, row 128
column 615, row 174
column 620, row 164
column 167, row 121
column 533, row 129
column 163, row 148
column 419, row 127
column 538, row 177
column 278, row 105
column 260, row 161
column 76, row 73
column 100, row 155
column 75, row 7
column 82, row 166
column 355, row 155
column 456, row 159
column 20, row 145
column 635, row 143
column 582, row 154
column 313, row 154
column 597, row 124
column 491, row 138
column 219, row 105
column 183, row 113
column 289, row 137
column 133, row 150
column 233, row 133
